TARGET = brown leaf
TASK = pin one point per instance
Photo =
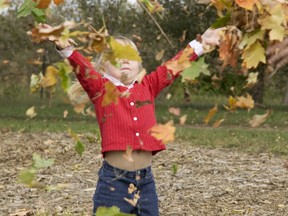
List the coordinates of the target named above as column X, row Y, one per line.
column 257, row 120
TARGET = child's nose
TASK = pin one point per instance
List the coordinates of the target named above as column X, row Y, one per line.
column 125, row 61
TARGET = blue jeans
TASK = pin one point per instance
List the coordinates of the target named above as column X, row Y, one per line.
column 112, row 190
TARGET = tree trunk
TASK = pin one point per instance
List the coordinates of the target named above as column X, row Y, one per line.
column 257, row 92
column 285, row 101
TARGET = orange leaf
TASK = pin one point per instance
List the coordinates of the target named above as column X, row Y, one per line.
column 246, row 4
column 217, row 123
column 165, row 133
column 211, row 113
column 111, row 94
column 245, row 102
column 42, row 3
column 257, row 120
column 57, row 2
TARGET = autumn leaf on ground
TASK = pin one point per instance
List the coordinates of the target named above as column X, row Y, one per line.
column 246, row 4
column 165, row 133
column 128, row 154
column 175, row 111
column 211, row 114
column 111, row 94
column 195, row 69
column 257, row 120
column 31, row 113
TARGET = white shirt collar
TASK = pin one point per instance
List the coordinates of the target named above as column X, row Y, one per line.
column 117, row 82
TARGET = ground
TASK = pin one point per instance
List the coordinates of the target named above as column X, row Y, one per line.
column 190, row 180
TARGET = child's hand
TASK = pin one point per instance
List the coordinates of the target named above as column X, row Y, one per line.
column 277, row 54
column 211, row 38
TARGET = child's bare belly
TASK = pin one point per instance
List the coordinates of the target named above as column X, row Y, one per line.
column 141, row 159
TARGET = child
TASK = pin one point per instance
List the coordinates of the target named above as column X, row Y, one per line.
column 126, row 184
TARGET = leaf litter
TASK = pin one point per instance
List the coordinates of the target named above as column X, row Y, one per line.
column 193, row 181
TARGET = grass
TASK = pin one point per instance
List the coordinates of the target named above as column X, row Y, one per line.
column 235, row 131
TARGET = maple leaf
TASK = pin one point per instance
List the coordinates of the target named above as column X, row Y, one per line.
column 98, row 39
column 245, row 102
column 211, row 114
column 246, row 4
column 257, row 120
column 253, row 55
column 50, row 78
column 231, row 104
column 165, row 133
column 195, row 69
column 252, row 80
column 179, row 64
column 251, row 37
column 111, row 94
column 120, row 51
column 274, row 22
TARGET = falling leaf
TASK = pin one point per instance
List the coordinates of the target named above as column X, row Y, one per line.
column 58, row 2
column 40, row 163
column 257, row 120
column 211, row 114
column 35, row 82
column 42, row 3
column 195, row 69
column 247, row 4
column 65, row 113
column 131, row 188
column 50, row 78
column 175, row 111
column 128, row 154
column 79, row 147
column 245, row 102
column 165, row 133
column 183, row 119
column 231, row 104
column 79, row 108
column 254, row 55
column 111, row 211
column 159, row 55
column 111, row 94
column 31, row 113
column 217, row 123
column 252, row 80
column 5, row 61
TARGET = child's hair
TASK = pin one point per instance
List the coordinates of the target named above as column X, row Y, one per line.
column 76, row 93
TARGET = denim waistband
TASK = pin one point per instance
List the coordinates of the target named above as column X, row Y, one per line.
column 129, row 174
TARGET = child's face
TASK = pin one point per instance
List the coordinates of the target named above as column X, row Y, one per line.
column 126, row 70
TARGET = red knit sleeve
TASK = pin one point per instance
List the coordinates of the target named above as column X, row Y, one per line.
column 89, row 79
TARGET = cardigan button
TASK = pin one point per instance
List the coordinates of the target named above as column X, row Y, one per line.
column 135, row 118
column 132, row 103
column 137, row 134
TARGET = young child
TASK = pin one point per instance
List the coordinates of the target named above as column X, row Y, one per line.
column 128, row 185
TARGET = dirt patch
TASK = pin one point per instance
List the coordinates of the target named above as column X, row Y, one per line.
column 190, row 180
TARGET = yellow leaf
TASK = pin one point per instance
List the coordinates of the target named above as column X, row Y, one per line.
column 211, row 113
column 35, row 82
column 246, row 4
column 250, row 38
column 121, row 51
column 231, row 104
column 50, row 77
column 257, row 120
column 252, row 80
column 245, row 102
column 217, row 123
column 111, row 94
column 253, row 55
column 31, row 113
column 165, row 133
column 183, row 119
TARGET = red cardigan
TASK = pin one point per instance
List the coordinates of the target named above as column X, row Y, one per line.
column 125, row 123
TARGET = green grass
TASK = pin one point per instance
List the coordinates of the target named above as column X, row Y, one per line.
column 234, row 132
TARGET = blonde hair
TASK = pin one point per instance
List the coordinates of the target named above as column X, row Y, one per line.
column 76, row 93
